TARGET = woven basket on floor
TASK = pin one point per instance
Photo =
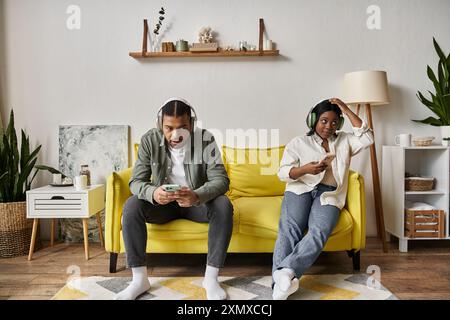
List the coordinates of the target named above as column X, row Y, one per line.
column 15, row 229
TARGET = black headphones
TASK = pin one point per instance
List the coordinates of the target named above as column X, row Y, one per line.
column 312, row 119
column 159, row 117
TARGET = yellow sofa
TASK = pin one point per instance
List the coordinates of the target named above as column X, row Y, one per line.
column 256, row 194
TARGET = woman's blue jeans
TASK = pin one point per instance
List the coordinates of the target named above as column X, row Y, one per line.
column 294, row 249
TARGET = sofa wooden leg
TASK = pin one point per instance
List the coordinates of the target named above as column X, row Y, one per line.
column 350, row 253
column 113, row 262
column 356, row 259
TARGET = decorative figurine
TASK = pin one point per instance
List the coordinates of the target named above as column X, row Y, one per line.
column 205, row 35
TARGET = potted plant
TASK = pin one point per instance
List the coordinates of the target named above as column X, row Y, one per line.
column 439, row 103
column 16, row 165
column 446, row 142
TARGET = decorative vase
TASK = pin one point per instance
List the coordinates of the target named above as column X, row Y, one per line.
column 155, row 45
column 182, row 45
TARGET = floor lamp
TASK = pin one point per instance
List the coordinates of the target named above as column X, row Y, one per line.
column 370, row 88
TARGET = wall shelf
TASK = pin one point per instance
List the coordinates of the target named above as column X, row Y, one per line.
column 188, row 54
column 144, row 53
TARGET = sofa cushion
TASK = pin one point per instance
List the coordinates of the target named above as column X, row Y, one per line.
column 259, row 216
column 253, row 172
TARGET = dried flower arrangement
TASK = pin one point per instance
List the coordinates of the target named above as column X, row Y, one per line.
column 159, row 23
column 156, row 30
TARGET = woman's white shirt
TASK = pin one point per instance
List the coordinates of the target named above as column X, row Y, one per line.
column 305, row 149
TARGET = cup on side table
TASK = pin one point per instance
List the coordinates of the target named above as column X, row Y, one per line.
column 80, row 183
column 403, row 140
column 57, row 178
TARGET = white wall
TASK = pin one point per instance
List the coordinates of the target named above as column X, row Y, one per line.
column 51, row 75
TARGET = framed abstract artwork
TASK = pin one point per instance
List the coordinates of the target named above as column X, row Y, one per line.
column 104, row 148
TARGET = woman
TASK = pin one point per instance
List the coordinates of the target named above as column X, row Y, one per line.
column 315, row 191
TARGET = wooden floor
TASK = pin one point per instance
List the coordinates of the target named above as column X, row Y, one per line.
column 422, row 273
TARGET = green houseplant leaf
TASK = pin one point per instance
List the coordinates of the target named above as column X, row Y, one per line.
column 430, row 120
column 440, row 100
column 15, row 167
column 438, row 50
column 50, row 169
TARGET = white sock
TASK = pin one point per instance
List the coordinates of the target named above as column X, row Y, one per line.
column 211, row 284
column 284, row 278
column 279, row 294
column 138, row 285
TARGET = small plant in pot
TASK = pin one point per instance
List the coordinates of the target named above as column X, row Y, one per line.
column 446, row 142
column 439, row 103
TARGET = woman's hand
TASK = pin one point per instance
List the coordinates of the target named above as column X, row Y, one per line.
column 344, row 108
column 314, row 167
column 354, row 119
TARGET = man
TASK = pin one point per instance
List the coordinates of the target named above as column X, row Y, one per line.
column 172, row 154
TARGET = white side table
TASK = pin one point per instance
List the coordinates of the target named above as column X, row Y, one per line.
column 65, row 202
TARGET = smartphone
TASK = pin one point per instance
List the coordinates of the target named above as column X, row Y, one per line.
column 171, row 187
column 328, row 158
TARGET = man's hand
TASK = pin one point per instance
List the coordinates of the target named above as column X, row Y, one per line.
column 186, row 197
column 163, row 197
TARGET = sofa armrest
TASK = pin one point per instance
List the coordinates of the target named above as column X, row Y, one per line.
column 356, row 206
column 117, row 192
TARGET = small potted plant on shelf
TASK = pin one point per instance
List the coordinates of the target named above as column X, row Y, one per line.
column 439, row 103
column 446, row 142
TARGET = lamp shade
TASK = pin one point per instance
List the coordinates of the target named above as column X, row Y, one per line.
column 361, row 87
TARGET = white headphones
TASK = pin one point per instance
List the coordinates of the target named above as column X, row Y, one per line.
column 159, row 117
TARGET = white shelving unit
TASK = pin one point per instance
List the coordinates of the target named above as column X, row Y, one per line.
column 432, row 161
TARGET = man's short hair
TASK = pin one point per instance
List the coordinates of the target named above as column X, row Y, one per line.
column 176, row 108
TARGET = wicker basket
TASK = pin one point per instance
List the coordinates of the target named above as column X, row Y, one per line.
column 422, row 141
column 15, row 229
column 424, row 223
column 419, row 184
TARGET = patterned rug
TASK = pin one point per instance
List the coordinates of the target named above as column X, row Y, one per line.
column 312, row 287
